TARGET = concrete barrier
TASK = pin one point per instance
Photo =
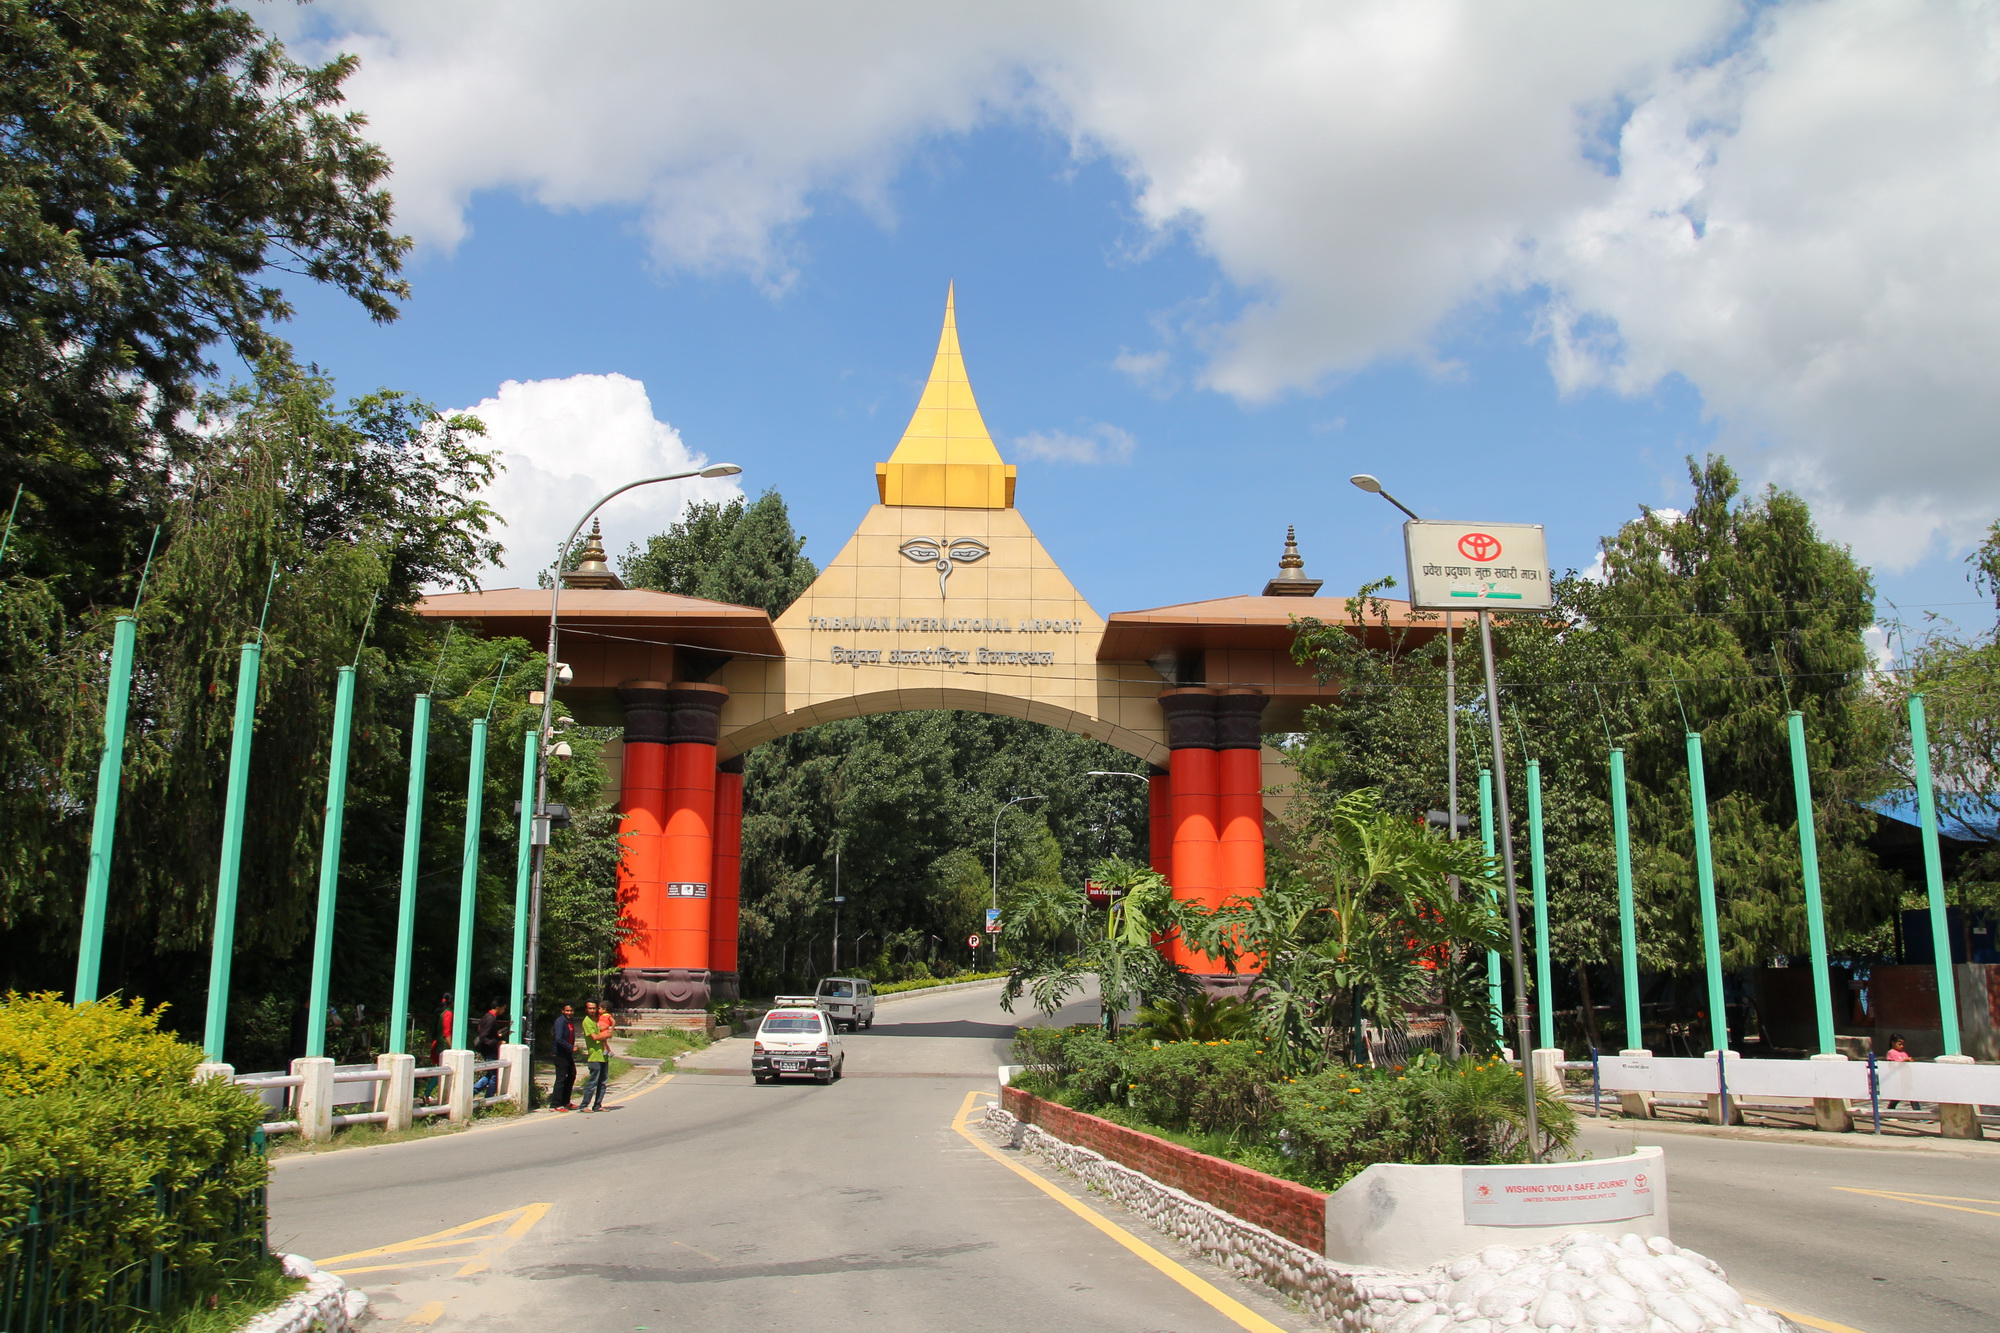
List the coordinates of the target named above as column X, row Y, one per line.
column 458, row 1084
column 396, row 1095
column 315, row 1100
column 1410, row 1217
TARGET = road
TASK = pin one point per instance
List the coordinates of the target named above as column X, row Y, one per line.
column 710, row 1202
column 1798, row 1228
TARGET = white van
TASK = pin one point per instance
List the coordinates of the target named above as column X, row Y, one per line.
column 848, row 1001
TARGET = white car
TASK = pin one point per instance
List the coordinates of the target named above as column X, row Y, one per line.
column 796, row 1038
column 848, row 1001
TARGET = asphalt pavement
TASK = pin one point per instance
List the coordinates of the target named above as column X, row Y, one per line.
column 708, row 1201
column 1883, row 1240
column 711, row 1202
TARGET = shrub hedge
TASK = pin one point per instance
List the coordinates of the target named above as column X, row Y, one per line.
column 1234, row 1098
column 144, row 1182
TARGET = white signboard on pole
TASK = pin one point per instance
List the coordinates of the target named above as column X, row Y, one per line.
column 1478, row 566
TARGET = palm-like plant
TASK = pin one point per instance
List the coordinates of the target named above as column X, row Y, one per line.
column 1049, row 929
column 1196, row 1017
column 1359, row 915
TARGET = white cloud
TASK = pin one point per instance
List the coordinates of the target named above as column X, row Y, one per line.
column 566, row 442
column 1146, row 369
column 1105, row 443
column 1789, row 206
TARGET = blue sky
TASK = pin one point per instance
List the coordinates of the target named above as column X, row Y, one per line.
column 1115, row 304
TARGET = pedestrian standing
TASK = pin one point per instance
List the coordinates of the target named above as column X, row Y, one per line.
column 597, row 1030
column 564, row 1049
column 486, row 1045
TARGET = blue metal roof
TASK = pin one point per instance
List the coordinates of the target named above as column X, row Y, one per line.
column 1960, row 818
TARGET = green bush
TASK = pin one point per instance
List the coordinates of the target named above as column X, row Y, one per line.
column 1233, row 1098
column 925, row 983
column 122, row 1157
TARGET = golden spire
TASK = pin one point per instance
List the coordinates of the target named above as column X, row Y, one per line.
column 946, row 459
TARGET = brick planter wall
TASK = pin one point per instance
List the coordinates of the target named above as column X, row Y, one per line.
column 1281, row 1206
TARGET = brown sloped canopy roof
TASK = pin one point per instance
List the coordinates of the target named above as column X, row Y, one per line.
column 1238, row 623
column 628, row 613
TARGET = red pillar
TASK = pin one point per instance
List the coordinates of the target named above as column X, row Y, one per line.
column 725, row 883
column 1240, row 797
column 643, row 804
column 1191, row 770
column 687, row 843
column 1160, row 820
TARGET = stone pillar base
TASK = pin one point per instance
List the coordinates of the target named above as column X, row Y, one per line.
column 398, row 1095
column 315, row 1100
column 725, row 986
column 514, row 1081
column 458, row 1094
column 1547, row 1061
column 1832, row 1115
column 1714, row 1099
column 662, row 988
column 1636, row 1104
column 1957, row 1121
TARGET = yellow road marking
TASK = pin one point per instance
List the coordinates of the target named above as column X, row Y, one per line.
column 518, row 1222
column 1926, row 1200
column 1827, row 1326
column 1228, row 1306
column 654, row 1086
column 427, row 1314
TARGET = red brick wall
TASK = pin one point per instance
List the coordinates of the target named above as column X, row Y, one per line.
column 1291, row 1210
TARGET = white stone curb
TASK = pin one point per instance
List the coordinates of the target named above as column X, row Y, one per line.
column 1581, row 1284
column 327, row 1305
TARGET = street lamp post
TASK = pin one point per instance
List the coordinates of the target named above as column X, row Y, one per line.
column 994, row 945
column 545, row 732
column 1374, row 487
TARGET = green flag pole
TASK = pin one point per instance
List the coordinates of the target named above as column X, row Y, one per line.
column 329, row 863
column 228, row 873
column 406, row 904
column 104, row 819
column 1628, row 931
column 1545, row 1017
column 1795, row 724
column 468, row 890
column 523, row 860
column 1704, row 866
column 1920, row 752
column 1493, row 992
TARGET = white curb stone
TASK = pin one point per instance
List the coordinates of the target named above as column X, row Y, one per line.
column 1582, row 1283
column 327, row 1305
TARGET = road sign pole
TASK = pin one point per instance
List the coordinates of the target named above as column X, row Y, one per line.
column 1513, row 896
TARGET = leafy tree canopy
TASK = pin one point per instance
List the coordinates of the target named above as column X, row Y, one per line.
column 745, row 553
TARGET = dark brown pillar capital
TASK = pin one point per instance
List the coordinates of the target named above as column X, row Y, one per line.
column 696, row 716
column 1155, row 771
column 1190, row 718
column 646, row 704
column 733, row 764
column 1239, row 719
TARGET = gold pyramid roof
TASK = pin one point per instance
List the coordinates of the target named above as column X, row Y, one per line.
column 946, row 459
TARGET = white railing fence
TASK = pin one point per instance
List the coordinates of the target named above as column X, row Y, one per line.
column 318, row 1096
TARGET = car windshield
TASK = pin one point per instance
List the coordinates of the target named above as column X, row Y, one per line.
column 792, row 1023
column 839, row 990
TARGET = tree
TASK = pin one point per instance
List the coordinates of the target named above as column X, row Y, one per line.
column 164, row 166
column 742, row 553
column 1718, row 620
column 1052, row 931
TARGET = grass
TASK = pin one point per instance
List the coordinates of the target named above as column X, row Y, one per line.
column 665, row 1044
column 374, row 1136
column 258, row 1288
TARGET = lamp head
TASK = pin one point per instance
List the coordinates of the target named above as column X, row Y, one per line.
column 720, row 470
column 1363, row 481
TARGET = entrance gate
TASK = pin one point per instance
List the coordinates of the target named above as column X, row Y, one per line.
column 942, row 599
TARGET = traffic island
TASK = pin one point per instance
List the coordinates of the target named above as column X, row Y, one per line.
column 1580, row 1277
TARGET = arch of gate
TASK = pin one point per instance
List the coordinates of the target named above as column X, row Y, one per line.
column 943, row 598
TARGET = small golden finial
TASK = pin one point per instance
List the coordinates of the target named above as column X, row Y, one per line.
column 1291, row 580
column 592, row 570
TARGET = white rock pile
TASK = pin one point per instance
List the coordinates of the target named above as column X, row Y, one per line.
column 1580, row 1284
column 327, row 1305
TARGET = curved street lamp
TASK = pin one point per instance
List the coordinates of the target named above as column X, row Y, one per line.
column 995, row 944
column 547, row 746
